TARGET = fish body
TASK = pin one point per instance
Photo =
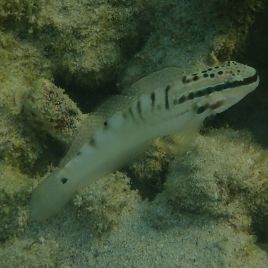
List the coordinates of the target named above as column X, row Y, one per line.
column 164, row 103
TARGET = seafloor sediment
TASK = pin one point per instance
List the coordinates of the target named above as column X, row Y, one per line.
column 204, row 207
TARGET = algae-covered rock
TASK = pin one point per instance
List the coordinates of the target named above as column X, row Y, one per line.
column 48, row 108
column 104, row 204
column 224, row 176
column 85, row 40
column 20, row 66
column 257, row 199
column 18, row 146
column 88, row 41
column 149, row 170
column 21, row 13
column 29, row 253
column 15, row 190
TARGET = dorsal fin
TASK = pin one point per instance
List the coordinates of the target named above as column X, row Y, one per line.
column 155, row 81
column 114, row 104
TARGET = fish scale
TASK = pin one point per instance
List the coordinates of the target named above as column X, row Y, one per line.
column 160, row 104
